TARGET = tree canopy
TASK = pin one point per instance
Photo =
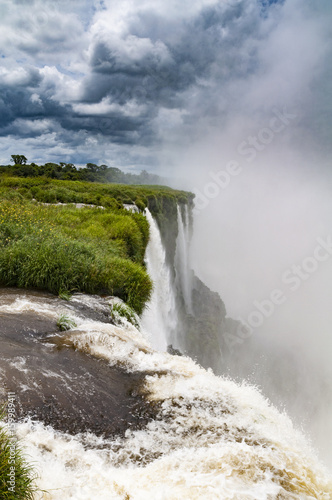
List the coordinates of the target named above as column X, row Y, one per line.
column 19, row 159
column 68, row 171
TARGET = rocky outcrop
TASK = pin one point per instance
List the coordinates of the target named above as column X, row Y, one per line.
column 200, row 332
column 55, row 383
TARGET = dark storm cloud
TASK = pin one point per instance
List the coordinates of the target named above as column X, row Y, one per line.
column 156, row 63
column 141, row 66
column 87, row 72
column 209, row 46
column 15, row 96
column 119, row 128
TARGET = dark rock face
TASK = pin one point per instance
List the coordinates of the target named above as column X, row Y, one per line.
column 201, row 331
column 206, row 302
column 70, row 390
column 199, row 334
column 174, row 352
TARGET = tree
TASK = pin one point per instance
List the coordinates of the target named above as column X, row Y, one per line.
column 92, row 167
column 19, row 159
column 69, row 167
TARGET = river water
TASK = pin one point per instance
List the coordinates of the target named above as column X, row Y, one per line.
column 104, row 415
column 105, row 412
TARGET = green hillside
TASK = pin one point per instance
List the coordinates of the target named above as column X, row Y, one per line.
column 65, row 249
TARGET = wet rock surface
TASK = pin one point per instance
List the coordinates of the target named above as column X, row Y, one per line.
column 70, row 390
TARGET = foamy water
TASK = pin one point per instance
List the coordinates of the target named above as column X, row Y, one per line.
column 211, row 438
column 159, row 317
column 182, row 264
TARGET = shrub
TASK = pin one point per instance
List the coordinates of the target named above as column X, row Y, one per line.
column 65, row 323
column 57, row 263
column 140, row 204
column 64, row 295
column 11, row 195
column 25, row 192
column 124, row 311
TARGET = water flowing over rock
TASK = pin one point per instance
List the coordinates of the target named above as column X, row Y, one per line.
column 193, row 316
column 55, row 383
column 159, row 317
column 182, row 259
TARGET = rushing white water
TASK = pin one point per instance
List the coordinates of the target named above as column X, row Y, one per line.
column 159, row 317
column 216, row 441
column 182, row 263
column 211, row 438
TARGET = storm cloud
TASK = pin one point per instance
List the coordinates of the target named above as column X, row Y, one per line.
column 122, row 81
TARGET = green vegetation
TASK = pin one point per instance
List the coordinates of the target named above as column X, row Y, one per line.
column 16, row 476
column 64, row 295
column 65, row 323
column 59, row 248
column 64, row 249
column 68, row 171
column 161, row 200
column 124, row 311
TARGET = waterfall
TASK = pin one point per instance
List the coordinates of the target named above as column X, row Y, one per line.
column 159, row 317
column 171, row 290
column 182, row 263
column 114, row 418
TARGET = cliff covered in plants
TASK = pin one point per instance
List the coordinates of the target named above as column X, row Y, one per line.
column 47, row 243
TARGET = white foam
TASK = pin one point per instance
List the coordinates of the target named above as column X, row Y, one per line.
column 212, row 438
column 159, row 317
column 26, row 304
column 182, row 263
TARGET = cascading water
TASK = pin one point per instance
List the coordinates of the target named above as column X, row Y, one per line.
column 172, row 290
column 192, row 436
column 159, row 317
column 182, row 262
column 114, row 418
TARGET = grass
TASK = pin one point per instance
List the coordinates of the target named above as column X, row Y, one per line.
column 91, row 250
column 64, row 295
column 65, row 323
column 46, row 190
column 14, row 467
column 124, row 311
column 59, row 248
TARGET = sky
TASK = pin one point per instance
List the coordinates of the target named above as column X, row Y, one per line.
column 136, row 83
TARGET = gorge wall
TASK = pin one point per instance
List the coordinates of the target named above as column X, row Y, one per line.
column 196, row 321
